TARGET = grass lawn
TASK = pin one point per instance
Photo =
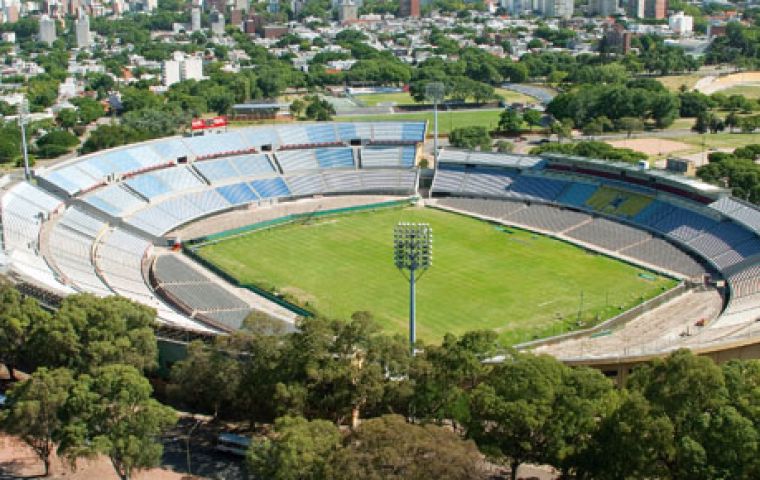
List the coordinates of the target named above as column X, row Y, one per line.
column 403, row 98
column 447, row 121
column 674, row 82
column 483, row 276
column 373, row 99
column 720, row 140
column 752, row 92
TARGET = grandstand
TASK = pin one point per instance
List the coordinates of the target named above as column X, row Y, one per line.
column 96, row 223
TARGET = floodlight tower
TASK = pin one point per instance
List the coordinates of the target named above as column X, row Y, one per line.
column 435, row 91
column 412, row 252
column 23, row 119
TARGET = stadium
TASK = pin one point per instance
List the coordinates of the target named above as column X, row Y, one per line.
column 669, row 262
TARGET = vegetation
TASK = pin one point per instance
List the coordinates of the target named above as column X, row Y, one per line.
column 591, row 149
column 87, row 394
column 737, row 171
column 471, row 138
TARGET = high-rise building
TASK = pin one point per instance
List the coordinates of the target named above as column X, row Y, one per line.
column 47, row 30
column 217, row 22
column 348, row 11
column 557, row 8
column 409, row 8
column 603, row 8
column 243, row 5
column 656, row 9
column 182, row 67
column 82, row 29
column 681, row 24
column 195, row 20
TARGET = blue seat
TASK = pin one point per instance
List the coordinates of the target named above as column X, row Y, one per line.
column 271, row 187
column 237, row 194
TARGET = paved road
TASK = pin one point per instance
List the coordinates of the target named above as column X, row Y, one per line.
column 543, row 95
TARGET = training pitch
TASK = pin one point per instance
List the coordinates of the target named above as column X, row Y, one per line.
column 484, row 276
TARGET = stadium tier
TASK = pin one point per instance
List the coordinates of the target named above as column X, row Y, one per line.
column 648, row 217
column 91, row 224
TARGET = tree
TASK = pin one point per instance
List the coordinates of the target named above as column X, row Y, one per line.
column 532, row 117
column 297, row 106
column 511, row 410
column 319, row 109
column 503, row 146
column 297, row 449
column 712, row 439
column 208, row 377
column 510, row 121
column 67, row 118
column 470, row 138
column 87, row 332
column 562, row 129
column 633, row 442
column 630, row 125
column 89, row 109
column 445, row 375
column 390, row 448
column 34, row 410
column 112, row 413
column 17, row 317
column 732, row 121
column 708, row 121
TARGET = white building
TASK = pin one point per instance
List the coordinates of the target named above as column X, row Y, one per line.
column 47, row 30
column 681, row 24
column 557, row 8
column 195, row 20
column 217, row 22
column 182, row 67
column 82, row 28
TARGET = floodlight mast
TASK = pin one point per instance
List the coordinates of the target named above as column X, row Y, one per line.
column 23, row 119
column 435, row 91
column 413, row 252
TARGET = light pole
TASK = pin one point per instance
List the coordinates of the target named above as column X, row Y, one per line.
column 412, row 252
column 435, row 91
column 23, row 119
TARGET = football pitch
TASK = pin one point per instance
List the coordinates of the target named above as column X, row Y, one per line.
column 484, row 276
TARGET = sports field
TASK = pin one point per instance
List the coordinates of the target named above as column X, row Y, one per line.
column 484, row 276
column 447, row 120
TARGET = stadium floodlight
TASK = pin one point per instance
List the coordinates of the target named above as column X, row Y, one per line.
column 412, row 253
column 434, row 92
column 23, row 120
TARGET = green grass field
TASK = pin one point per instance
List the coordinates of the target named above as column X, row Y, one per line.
column 403, row 98
column 447, row 121
column 483, row 276
column 752, row 92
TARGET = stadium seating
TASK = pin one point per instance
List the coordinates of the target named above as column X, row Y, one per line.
column 536, row 188
column 271, row 188
column 577, row 194
column 114, row 200
column 659, row 252
column 295, row 160
column 199, row 293
column 620, row 203
column 607, row 234
column 73, row 237
column 238, row 194
column 334, row 157
column 547, row 218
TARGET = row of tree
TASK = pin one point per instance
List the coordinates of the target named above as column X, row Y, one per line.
column 87, row 394
column 682, row 417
